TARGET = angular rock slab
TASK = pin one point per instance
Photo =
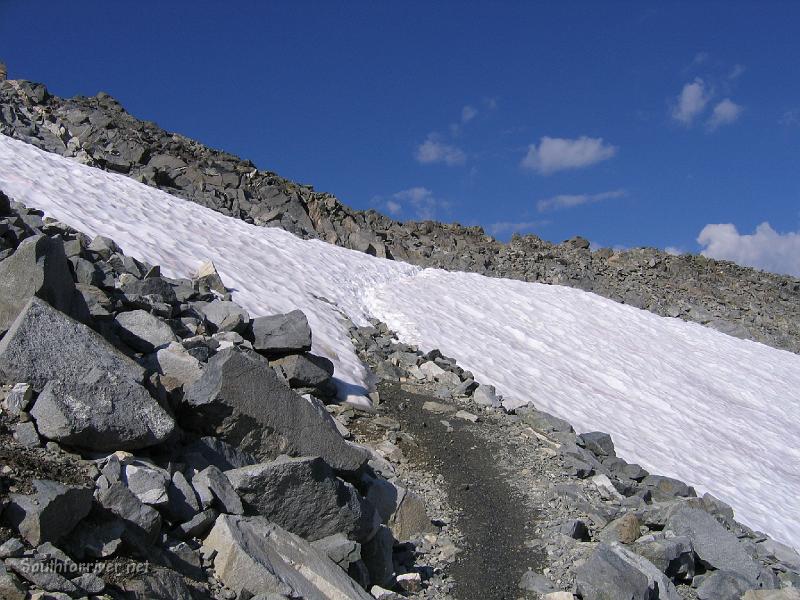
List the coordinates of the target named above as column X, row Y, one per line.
column 254, row 556
column 38, row 268
column 101, row 412
column 49, row 514
column 240, row 399
column 142, row 331
column 282, row 334
column 303, row 496
column 44, row 344
column 714, row 545
column 614, row 573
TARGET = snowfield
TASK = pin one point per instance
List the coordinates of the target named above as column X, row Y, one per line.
column 720, row 413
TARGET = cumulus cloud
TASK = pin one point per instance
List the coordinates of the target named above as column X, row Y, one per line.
column 420, row 199
column 468, row 113
column 505, row 227
column 435, row 150
column 691, row 102
column 559, row 154
column 394, row 208
column 571, row 200
column 724, row 113
column 763, row 249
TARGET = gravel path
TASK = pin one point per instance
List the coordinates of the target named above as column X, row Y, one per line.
column 492, row 517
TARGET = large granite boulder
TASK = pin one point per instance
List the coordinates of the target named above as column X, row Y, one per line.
column 254, row 556
column 304, row 496
column 39, row 267
column 240, row 399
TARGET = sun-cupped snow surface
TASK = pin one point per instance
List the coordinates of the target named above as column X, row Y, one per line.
column 270, row 269
column 720, row 413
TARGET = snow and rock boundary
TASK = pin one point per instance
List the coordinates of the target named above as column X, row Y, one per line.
column 98, row 131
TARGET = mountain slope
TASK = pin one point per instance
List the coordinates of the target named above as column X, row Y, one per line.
column 718, row 412
column 97, row 130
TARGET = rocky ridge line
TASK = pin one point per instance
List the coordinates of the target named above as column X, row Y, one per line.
column 97, row 131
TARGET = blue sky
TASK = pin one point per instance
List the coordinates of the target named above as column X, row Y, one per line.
column 630, row 123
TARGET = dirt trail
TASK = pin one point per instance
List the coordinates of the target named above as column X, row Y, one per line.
column 493, row 518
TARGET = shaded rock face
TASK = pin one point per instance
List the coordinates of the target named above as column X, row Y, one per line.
column 240, row 399
column 98, row 131
column 303, row 496
column 38, row 268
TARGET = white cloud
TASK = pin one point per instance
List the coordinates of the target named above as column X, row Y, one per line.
column 394, row 208
column 569, row 201
column 512, row 227
column 559, row 154
column 737, row 71
column 421, row 200
column 674, row 250
column 436, row 150
column 691, row 101
column 724, row 113
column 763, row 249
column 491, row 103
column 468, row 113
column 790, row 118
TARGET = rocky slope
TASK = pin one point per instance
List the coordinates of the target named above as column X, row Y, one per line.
column 154, row 445
column 97, row 130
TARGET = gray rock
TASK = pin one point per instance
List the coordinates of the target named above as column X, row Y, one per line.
column 197, row 526
column 38, row 572
column 377, row 556
column 211, row 484
column 485, row 395
column 282, row 334
column 104, row 247
column 339, row 549
column 144, row 332
column 307, row 373
column 723, row 585
column 240, row 399
column 784, row 594
column 156, row 287
column 534, row 582
column 18, row 399
column 303, row 496
column 544, row 422
column 254, row 556
column 147, row 482
column 614, row 573
column 157, row 584
column 142, row 522
column 26, row 435
column 673, row 556
column 90, row 583
column 182, row 503
column 50, row 513
column 102, row 412
column 714, row 545
column 667, row 488
column 12, row 548
column 37, row 268
column 44, row 344
column 598, row 443
column 11, row 587
column 225, row 316
column 213, row 451
column 175, row 361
